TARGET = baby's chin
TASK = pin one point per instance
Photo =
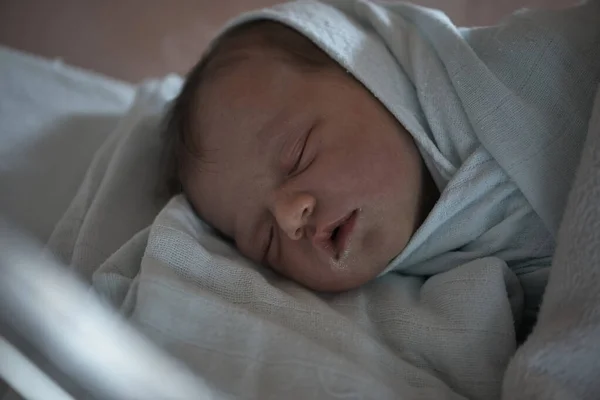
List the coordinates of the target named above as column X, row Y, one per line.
column 340, row 280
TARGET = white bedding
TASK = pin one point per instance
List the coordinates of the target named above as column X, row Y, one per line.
column 53, row 117
column 247, row 331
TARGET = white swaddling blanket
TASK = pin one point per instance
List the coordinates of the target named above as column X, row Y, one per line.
column 253, row 334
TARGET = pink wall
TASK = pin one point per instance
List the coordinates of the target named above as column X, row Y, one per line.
column 135, row 39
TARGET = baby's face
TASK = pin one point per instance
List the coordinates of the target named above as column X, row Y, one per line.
column 306, row 172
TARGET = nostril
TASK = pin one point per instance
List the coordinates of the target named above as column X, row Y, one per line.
column 306, row 213
column 298, row 233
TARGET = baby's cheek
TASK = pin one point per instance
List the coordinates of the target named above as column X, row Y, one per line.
column 290, row 259
column 370, row 240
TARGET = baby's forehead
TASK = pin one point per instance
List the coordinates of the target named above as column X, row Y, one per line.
column 246, row 108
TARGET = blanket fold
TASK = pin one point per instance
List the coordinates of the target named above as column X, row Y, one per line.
column 561, row 358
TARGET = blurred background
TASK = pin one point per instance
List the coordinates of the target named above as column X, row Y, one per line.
column 136, row 39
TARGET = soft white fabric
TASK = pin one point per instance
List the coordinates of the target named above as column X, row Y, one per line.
column 251, row 333
column 561, row 358
column 53, row 118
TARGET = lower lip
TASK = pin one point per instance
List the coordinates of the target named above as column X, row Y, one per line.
column 344, row 235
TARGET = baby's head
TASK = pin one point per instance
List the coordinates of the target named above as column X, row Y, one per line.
column 285, row 153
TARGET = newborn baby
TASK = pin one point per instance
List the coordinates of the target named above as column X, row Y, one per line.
column 335, row 148
column 287, row 155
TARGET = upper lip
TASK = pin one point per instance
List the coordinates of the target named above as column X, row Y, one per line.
column 323, row 236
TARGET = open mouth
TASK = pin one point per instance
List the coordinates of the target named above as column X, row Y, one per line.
column 341, row 234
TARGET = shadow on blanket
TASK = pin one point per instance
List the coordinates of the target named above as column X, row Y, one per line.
column 44, row 171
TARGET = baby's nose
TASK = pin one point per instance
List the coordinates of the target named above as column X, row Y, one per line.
column 292, row 213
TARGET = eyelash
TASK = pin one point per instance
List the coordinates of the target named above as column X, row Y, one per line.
column 300, row 155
